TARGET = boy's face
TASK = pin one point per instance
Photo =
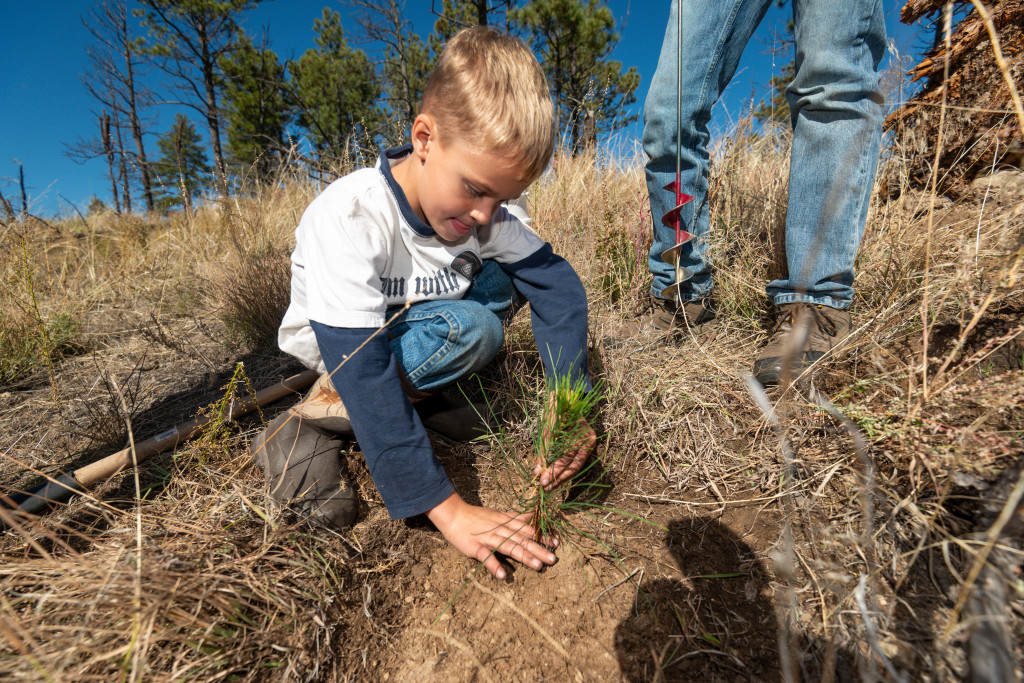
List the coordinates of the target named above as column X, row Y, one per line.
column 458, row 189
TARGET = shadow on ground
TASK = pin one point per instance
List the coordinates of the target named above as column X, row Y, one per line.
column 716, row 619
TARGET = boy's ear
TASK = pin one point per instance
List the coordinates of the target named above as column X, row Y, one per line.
column 424, row 131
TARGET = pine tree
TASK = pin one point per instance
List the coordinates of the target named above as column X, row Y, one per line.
column 334, row 89
column 776, row 109
column 182, row 170
column 406, row 62
column 456, row 15
column 256, row 107
column 109, row 152
column 187, row 40
column 573, row 40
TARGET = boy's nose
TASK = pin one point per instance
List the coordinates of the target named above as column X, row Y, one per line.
column 481, row 214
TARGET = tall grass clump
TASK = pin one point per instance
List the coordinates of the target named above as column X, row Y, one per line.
column 38, row 324
column 27, row 348
column 747, row 197
column 593, row 209
column 215, row 591
column 248, row 284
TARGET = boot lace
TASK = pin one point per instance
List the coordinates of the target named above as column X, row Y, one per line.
column 822, row 322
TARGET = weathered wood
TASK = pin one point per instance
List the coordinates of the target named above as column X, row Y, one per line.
column 981, row 131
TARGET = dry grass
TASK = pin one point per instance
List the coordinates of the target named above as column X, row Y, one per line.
column 202, row 578
column 211, row 592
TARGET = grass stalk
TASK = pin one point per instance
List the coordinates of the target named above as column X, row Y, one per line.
column 947, row 25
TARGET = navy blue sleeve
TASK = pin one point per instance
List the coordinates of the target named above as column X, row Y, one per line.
column 558, row 305
column 394, row 443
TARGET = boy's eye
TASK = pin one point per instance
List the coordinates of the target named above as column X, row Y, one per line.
column 473, row 192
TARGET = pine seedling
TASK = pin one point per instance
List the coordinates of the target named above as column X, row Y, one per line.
column 562, row 428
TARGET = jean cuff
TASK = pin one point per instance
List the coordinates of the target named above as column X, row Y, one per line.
column 796, row 298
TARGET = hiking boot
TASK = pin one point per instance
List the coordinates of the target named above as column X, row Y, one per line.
column 302, row 464
column 668, row 316
column 803, row 334
column 455, row 419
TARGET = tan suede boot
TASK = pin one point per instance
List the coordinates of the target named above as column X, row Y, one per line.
column 821, row 328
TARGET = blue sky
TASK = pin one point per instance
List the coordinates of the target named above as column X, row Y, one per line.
column 44, row 106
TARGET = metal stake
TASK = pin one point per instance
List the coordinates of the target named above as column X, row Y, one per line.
column 672, row 219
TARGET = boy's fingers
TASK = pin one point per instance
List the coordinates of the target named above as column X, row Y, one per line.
column 528, row 552
column 520, row 524
column 491, row 563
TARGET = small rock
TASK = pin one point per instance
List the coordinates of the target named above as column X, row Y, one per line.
column 997, row 180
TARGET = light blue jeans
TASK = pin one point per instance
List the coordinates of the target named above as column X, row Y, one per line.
column 836, row 111
column 439, row 342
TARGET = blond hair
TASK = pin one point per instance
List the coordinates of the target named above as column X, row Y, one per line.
column 490, row 93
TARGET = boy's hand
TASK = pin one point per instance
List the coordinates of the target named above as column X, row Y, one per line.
column 481, row 532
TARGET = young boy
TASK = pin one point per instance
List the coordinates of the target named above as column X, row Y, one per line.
column 421, row 244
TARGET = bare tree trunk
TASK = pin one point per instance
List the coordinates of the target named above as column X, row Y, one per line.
column 111, row 81
column 108, row 150
column 122, row 155
column 24, row 194
column 133, row 112
column 212, row 112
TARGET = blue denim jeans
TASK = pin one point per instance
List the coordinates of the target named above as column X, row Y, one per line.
column 836, row 111
column 439, row 342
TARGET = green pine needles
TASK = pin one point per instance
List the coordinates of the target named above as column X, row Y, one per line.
column 560, row 420
column 563, row 428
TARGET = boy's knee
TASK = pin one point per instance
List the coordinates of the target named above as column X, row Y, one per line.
column 458, row 341
column 485, row 330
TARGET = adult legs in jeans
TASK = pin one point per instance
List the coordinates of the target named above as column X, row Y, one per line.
column 836, row 117
column 836, row 112
column 714, row 33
